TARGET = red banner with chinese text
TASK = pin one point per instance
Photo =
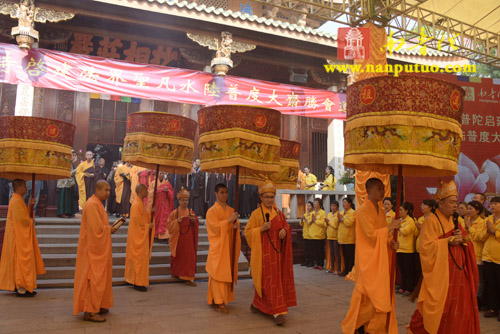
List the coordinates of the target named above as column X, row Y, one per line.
column 479, row 161
column 66, row 71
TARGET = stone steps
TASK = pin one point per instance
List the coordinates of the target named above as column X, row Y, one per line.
column 118, row 247
column 58, row 241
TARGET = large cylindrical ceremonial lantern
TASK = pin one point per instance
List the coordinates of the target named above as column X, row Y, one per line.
column 287, row 176
column 410, row 121
column 234, row 135
column 34, row 145
column 158, row 138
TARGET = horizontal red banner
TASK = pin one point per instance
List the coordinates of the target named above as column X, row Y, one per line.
column 60, row 70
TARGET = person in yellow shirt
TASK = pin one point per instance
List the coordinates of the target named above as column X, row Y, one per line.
column 305, row 222
column 330, row 180
column 332, row 237
column 311, row 179
column 478, row 235
column 405, row 255
column 317, row 232
column 491, row 260
column 346, row 224
column 389, row 213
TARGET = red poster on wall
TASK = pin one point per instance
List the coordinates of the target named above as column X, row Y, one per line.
column 479, row 162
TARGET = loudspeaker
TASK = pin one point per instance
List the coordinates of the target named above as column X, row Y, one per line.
column 298, row 78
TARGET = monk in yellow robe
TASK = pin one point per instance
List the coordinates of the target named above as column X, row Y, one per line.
column 21, row 258
column 270, row 237
column 222, row 221
column 372, row 301
column 84, row 178
column 93, row 292
column 134, row 181
column 447, row 302
column 138, row 242
column 123, row 188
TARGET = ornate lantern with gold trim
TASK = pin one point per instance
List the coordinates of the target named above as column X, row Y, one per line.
column 234, row 135
column 408, row 121
column 34, row 145
column 287, row 176
column 158, row 139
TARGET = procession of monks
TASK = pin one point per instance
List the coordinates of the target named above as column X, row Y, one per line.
column 447, row 301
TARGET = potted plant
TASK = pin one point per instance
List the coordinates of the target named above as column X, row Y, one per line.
column 348, row 179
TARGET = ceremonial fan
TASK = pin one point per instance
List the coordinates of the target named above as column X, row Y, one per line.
column 32, row 146
column 241, row 140
column 405, row 126
column 161, row 141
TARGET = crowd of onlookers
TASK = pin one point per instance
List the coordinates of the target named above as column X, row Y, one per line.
column 332, row 236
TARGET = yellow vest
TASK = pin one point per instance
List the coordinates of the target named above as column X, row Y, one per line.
column 305, row 225
column 329, row 183
column 478, row 235
column 389, row 216
column 407, row 235
column 332, row 229
column 310, row 179
column 491, row 248
column 347, row 228
column 317, row 229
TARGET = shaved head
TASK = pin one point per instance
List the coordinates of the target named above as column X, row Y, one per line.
column 102, row 190
column 17, row 183
column 139, row 187
column 101, row 184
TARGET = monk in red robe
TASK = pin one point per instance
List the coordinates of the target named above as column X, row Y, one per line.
column 138, row 242
column 164, row 205
column 270, row 237
column 21, row 258
column 222, row 226
column 447, row 301
column 183, row 228
column 93, row 292
column 372, row 301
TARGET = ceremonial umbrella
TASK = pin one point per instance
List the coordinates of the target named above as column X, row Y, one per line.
column 161, row 141
column 408, row 125
column 34, row 145
column 287, row 176
column 239, row 140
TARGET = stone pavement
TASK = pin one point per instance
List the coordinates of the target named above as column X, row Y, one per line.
column 323, row 300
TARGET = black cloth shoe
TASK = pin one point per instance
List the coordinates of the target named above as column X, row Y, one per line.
column 140, row 288
column 26, row 294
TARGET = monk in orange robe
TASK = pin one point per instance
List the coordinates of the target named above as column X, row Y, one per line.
column 447, row 301
column 138, row 242
column 183, row 228
column 270, row 237
column 93, row 292
column 21, row 258
column 222, row 221
column 372, row 301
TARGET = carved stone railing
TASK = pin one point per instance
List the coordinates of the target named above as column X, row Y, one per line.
column 310, row 195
